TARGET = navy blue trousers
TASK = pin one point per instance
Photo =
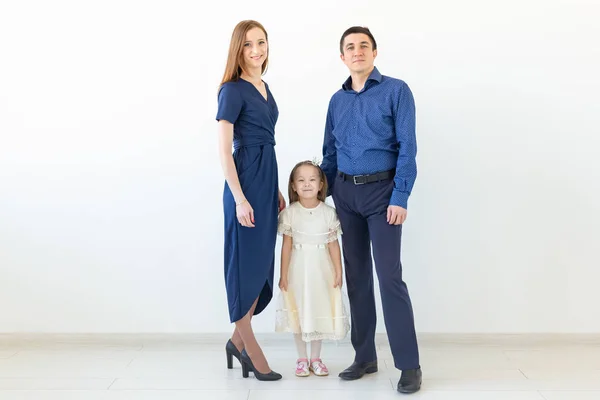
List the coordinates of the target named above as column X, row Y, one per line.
column 362, row 210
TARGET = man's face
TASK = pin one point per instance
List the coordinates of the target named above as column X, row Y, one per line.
column 359, row 55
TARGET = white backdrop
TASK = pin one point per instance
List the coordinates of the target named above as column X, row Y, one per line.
column 110, row 184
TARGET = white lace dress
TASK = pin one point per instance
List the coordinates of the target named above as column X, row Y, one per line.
column 311, row 306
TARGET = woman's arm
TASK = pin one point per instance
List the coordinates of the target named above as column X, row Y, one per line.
column 244, row 211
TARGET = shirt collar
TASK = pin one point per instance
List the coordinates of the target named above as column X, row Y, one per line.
column 374, row 76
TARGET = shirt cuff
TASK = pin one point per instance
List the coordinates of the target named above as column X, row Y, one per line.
column 399, row 199
column 330, row 184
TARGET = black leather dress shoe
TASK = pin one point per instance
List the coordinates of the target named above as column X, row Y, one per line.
column 410, row 381
column 357, row 370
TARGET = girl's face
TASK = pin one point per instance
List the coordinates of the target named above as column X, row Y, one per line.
column 255, row 48
column 307, row 182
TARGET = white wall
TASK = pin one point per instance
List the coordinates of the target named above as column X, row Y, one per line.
column 110, row 185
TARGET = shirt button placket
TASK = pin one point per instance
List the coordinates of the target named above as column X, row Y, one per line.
column 355, row 133
column 355, row 128
column 354, row 136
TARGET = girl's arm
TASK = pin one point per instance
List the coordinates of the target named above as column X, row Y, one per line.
column 336, row 257
column 286, row 255
column 243, row 209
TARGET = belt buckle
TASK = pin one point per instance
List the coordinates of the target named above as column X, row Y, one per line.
column 358, row 183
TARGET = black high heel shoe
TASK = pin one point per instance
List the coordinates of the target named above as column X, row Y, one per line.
column 231, row 352
column 248, row 366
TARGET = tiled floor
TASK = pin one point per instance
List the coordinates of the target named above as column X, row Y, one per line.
column 193, row 367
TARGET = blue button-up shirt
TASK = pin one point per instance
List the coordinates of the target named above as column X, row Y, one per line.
column 373, row 131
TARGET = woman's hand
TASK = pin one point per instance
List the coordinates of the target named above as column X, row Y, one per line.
column 281, row 202
column 245, row 214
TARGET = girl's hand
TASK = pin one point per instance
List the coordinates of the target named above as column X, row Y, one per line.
column 337, row 281
column 281, row 202
column 245, row 214
column 283, row 283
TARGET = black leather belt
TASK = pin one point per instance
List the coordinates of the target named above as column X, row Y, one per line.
column 370, row 178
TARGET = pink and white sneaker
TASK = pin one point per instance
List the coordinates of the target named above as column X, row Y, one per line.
column 318, row 368
column 302, row 367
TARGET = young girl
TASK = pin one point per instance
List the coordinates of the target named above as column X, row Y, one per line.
column 311, row 303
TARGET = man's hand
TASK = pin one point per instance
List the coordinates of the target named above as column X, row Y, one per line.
column 396, row 215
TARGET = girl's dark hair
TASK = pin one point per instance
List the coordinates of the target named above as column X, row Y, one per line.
column 293, row 196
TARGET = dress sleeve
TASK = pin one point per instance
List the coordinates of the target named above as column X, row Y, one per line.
column 284, row 226
column 334, row 226
column 230, row 103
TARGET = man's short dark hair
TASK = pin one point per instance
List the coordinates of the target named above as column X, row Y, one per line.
column 357, row 29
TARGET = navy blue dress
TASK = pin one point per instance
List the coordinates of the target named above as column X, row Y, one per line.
column 250, row 252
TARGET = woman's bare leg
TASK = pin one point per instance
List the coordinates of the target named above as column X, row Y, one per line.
column 244, row 328
column 236, row 338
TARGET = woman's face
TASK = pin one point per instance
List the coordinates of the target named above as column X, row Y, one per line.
column 255, row 48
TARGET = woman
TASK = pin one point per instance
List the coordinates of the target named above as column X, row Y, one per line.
column 247, row 115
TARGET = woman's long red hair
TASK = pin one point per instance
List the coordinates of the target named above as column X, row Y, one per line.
column 235, row 59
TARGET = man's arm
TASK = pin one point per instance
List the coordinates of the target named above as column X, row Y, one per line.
column 406, row 166
column 329, row 163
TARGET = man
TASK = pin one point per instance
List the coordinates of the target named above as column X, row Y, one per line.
column 369, row 155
